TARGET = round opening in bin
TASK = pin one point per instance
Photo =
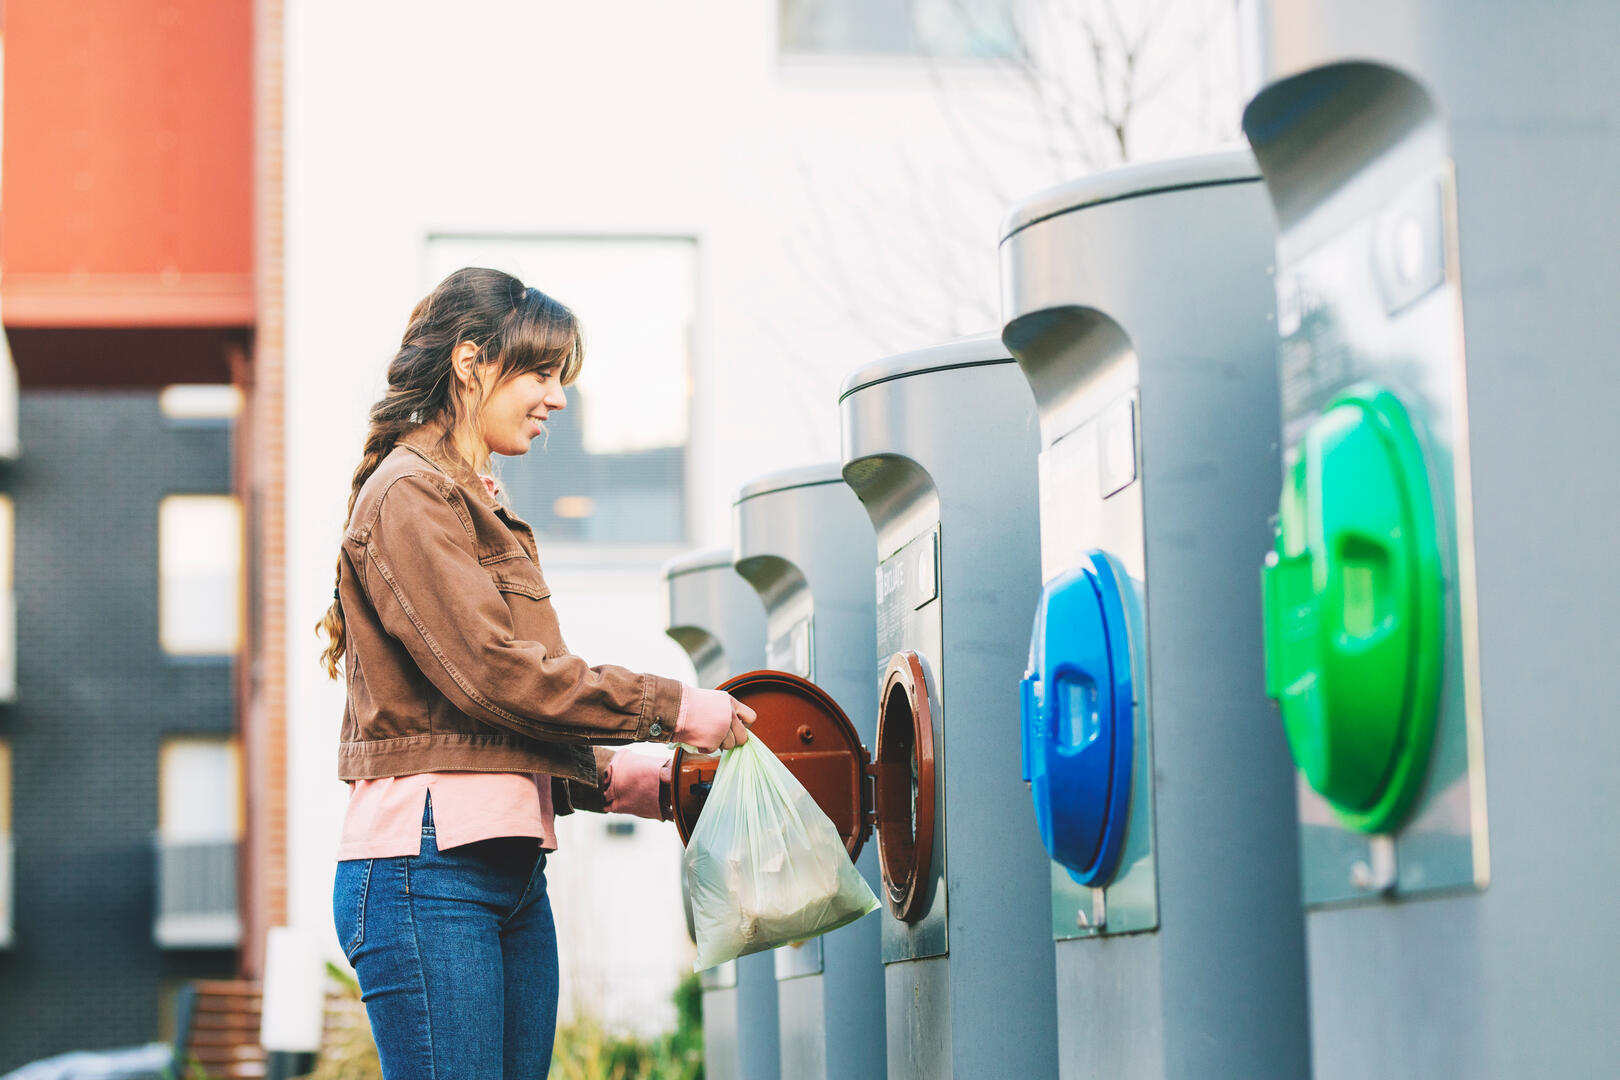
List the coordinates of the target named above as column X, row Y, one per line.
column 905, row 786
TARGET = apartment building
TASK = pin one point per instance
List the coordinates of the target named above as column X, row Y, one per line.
column 134, row 505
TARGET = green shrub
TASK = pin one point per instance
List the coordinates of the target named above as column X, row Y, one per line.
column 585, row 1050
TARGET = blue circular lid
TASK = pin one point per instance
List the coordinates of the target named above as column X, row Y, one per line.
column 1078, row 717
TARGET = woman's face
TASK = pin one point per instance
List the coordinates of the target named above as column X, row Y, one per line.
column 514, row 411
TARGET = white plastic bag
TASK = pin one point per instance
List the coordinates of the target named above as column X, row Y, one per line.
column 764, row 866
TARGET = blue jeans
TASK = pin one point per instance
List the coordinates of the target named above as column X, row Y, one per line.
column 456, row 955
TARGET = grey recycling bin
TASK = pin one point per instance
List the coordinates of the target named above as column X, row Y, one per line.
column 1442, row 599
column 940, row 445
column 1139, row 305
column 802, row 540
column 716, row 617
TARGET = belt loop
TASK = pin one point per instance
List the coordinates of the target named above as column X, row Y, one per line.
column 427, row 810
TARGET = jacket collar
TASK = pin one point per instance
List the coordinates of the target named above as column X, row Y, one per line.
column 423, row 441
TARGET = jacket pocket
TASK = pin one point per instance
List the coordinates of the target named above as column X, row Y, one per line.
column 528, row 598
column 515, row 573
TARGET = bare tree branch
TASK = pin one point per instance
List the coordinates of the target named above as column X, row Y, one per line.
column 1083, row 78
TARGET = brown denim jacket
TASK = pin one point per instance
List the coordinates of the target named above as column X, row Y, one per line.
column 454, row 658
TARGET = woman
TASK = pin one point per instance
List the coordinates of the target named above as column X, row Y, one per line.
column 468, row 724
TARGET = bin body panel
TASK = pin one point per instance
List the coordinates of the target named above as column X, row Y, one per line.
column 1157, row 304
column 714, row 615
column 852, row 1032
column 720, row 1059
column 920, row 1036
column 1525, row 100
column 803, row 1018
column 1392, row 1032
column 1105, row 980
column 803, row 542
column 940, row 445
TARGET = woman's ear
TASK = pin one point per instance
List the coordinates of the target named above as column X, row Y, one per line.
column 462, row 361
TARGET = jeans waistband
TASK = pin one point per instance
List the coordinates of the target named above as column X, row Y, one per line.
column 427, row 810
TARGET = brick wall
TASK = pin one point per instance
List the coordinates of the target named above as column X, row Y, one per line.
column 263, row 691
column 95, row 695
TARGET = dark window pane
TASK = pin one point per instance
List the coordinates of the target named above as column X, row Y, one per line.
column 572, row 495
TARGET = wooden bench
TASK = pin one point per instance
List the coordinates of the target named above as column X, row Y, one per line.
column 217, row 1028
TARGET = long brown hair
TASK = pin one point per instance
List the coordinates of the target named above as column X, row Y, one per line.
column 516, row 329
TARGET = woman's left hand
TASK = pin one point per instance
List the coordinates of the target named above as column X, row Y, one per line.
column 633, row 777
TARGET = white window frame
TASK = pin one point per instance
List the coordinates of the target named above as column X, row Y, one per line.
column 174, row 639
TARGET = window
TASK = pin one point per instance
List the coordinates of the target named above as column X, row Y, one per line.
column 7, row 863
column 200, row 574
column 612, row 469
column 199, row 826
column 8, row 599
column 982, row 29
column 200, row 403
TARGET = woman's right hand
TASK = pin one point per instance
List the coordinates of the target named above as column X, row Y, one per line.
column 712, row 720
column 742, row 718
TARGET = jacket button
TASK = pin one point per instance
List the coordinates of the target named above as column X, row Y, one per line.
column 656, row 730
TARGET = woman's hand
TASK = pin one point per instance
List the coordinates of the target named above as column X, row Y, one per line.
column 742, row 718
column 631, row 781
column 712, row 720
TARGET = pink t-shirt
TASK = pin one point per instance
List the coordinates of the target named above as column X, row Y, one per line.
column 384, row 817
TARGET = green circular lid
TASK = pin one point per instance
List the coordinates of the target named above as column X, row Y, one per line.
column 1353, row 609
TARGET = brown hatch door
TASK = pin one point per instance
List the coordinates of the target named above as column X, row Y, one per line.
column 806, row 729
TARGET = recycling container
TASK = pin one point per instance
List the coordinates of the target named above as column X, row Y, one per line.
column 1442, row 599
column 1139, row 305
column 940, row 445
column 718, row 620
column 802, row 540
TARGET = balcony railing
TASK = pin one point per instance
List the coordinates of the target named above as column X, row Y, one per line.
column 7, row 876
column 196, row 901
column 8, row 645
